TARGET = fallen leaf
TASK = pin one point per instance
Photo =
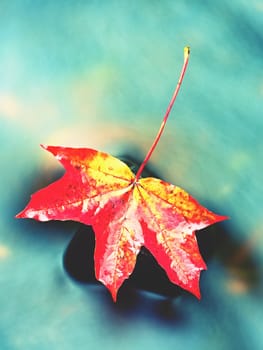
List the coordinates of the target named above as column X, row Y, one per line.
column 100, row 190
column 126, row 213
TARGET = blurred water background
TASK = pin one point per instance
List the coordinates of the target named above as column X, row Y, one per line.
column 100, row 74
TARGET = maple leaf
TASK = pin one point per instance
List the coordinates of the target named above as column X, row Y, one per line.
column 126, row 213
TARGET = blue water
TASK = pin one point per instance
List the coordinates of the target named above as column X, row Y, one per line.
column 100, row 75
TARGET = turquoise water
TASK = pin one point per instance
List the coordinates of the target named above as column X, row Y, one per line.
column 100, row 75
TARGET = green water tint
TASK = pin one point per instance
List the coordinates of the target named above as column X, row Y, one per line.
column 100, row 75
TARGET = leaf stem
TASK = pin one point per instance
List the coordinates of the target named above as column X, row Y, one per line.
column 157, row 138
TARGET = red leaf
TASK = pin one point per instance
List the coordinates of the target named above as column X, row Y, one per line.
column 126, row 214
